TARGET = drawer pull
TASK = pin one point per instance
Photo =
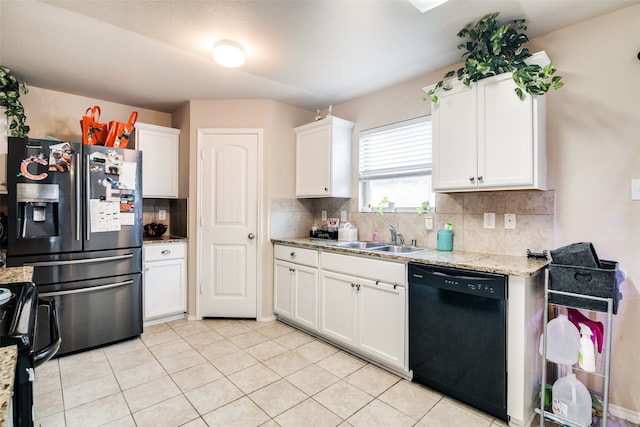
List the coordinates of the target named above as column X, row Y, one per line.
column 292, row 254
column 166, row 252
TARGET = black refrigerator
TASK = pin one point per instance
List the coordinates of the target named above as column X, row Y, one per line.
column 75, row 215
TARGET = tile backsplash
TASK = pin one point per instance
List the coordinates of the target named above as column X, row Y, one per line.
column 534, row 210
column 175, row 211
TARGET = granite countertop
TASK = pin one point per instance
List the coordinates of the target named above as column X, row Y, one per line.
column 8, row 357
column 478, row 261
column 16, row 274
column 163, row 239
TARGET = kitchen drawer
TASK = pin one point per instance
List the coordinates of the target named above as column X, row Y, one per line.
column 297, row 255
column 164, row 251
column 370, row 268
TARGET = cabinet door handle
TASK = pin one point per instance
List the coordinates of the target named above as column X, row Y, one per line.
column 480, row 178
column 292, row 254
column 472, row 179
column 251, row 236
column 291, row 270
column 166, row 252
column 358, row 287
column 326, row 189
column 353, row 285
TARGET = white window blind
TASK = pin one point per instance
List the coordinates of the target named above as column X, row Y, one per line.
column 400, row 149
column 395, row 165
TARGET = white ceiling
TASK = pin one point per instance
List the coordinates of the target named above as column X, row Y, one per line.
column 307, row 53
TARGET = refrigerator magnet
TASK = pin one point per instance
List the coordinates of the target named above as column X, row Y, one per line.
column 114, row 163
column 24, row 168
column 112, row 195
column 60, row 157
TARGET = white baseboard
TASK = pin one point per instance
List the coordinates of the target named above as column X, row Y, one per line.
column 624, row 413
column 266, row 318
column 164, row 319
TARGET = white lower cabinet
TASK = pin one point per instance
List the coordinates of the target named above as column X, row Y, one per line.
column 356, row 302
column 363, row 306
column 165, row 280
column 296, row 285
column 381, row 320
column 338, row 307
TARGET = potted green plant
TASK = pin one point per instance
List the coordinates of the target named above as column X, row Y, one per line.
column 385, row 204
column 492, row 49
column 10, row 90
column 423, row 208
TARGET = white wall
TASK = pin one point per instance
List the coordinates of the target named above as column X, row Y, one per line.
column 58, row 114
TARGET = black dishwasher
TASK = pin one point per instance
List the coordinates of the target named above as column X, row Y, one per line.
column 457, row 335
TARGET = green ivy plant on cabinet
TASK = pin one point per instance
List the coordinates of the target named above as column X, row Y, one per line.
column 12, row 117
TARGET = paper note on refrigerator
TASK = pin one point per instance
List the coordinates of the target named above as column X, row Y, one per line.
column 105, row 216
column 128, row 176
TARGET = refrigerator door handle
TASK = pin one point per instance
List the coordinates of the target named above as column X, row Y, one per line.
column 83, row 290
column 78, row 201
column 77, row 261
column 23, row 218
column 88, row 195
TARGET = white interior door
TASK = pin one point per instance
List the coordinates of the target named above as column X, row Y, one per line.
column 229, row 220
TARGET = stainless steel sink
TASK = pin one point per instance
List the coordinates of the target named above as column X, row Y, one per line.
column 358, row 245
column 398, row 249
column 379, row 247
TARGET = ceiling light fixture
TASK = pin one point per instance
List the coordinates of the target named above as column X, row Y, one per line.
column 425, row 5
column 228, row 54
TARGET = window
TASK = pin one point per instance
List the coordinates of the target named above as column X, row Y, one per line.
column 395, row 162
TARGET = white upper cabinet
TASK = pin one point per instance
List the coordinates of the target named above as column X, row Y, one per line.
column 323, row 158
column 160, row 148
column 486, row 138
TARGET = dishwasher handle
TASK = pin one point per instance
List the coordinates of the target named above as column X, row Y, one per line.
column 456, row 277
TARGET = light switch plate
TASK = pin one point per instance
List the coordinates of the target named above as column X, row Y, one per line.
column 489, row 220
column 343, row 216
column 324, row 215
column 162, row 214
column 635, row 189
column 509, row 221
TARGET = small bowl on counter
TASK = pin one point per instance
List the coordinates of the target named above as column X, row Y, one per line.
column 154, row 229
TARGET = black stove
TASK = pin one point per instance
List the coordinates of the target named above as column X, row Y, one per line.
column 18, row 320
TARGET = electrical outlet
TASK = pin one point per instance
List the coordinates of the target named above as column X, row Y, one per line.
column 489, row 220
column 324, row 215
column 428, row 222
column 343, row 216
column 509, row 221
column 162, row 214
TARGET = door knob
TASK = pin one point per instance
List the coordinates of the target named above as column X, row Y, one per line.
column 251, row 236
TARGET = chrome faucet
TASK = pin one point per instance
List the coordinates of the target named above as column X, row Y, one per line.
column 401, row 237
column 395, row 236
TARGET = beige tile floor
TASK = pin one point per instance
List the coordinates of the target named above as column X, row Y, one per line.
column 234, row 373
